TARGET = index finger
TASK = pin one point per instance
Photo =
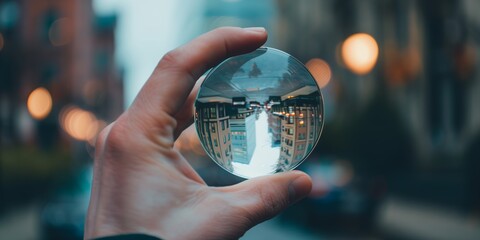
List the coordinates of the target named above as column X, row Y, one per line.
column 174, row 77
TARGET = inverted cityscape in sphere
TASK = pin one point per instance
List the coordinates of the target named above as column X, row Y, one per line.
column 259, row 113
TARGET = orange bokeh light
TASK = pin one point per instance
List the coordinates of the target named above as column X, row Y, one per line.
column 360, row 53
column 39, row 103
column 320, row 70
column 80, row 124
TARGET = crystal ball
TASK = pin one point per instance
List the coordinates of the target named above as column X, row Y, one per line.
column 259, row 113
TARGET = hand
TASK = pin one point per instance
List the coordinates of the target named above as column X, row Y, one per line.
column 142, row 184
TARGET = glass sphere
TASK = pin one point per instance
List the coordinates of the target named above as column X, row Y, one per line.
column 259, row 113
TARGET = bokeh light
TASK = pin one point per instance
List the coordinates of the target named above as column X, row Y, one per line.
column 59, row 32
column 360, row 53
column 320, row 70
column 39, row 103
column 2, row 42
column 80, row 124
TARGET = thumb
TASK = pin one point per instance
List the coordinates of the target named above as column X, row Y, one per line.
column 264, row 197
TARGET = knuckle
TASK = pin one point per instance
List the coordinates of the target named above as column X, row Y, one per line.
column 174, row 62
column 170, row 59
column 112, row 138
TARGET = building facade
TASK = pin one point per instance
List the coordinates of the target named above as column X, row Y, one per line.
column 65, row 48
column 214, row 128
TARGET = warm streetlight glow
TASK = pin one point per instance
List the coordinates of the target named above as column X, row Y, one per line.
column 39, row 103
column 80, row 124
column 320, row 70
column 1, row 42
column 360, row 53
column 58, row 33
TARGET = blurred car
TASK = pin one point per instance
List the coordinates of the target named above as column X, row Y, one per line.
column 341, row 200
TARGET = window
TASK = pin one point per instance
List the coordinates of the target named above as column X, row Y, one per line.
column 228, row 136
column 205, row 112
column 224, row 139
column 300, row 147
column 215, row 142
column 213, row 112
column 221, row 113
column 301, row 136
column 290, row 131
column 223, row 125
column 290, row 119
column 213, row 127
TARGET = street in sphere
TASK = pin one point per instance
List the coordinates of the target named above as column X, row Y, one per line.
column 259, row 113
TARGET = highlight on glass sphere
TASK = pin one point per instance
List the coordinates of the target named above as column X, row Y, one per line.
column 259, row 113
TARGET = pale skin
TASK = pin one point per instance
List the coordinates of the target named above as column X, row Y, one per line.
column 143, row 184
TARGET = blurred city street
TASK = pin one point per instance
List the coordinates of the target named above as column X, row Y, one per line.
column 398, row 155
column 397, row 217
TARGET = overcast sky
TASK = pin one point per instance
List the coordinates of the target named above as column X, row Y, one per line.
column 146, row 31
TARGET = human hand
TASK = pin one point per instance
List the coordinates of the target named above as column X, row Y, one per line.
column 142, row 184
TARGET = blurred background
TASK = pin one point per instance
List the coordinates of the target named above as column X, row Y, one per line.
column 399, row 157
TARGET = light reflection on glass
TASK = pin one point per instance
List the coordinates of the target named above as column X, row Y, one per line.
column 259, row 113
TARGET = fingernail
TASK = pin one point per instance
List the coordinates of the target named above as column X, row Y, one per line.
column 255, row 29
column 299, row 188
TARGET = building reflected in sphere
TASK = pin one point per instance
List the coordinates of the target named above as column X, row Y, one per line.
column 259, row 113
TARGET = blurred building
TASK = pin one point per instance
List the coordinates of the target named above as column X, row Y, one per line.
column 301, row 121
column 213, row 127
column 246, row 13
column 426, row 63
column 63, row 47
column 244, row 137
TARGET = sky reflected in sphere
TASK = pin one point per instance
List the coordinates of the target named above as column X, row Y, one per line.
column 259, row 113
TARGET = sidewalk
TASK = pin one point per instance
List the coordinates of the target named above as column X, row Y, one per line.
column 412, row 220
